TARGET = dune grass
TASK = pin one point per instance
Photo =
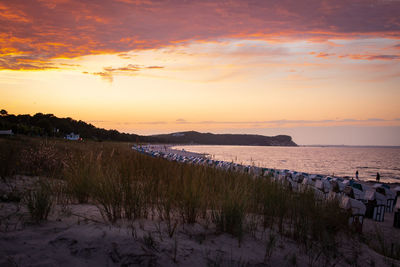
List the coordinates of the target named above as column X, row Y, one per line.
column 39, row 201
column 125, row 184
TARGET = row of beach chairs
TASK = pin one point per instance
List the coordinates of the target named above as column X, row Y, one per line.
column 363, row 201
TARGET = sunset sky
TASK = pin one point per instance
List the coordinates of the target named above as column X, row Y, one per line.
column 323, row 71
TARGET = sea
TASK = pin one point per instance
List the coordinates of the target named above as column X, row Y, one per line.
column 340, row 161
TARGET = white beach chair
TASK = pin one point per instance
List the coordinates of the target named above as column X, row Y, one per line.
column 396, row 219
column 389, row 195
column 376, row 204
column 319, row 185
column 294, row 185
column 396, row 190
column 310, row 182
column 333, row 196
column 358, row 194
column 346, row 183
column 390, row 198
column 357, row 209
column 304, row 184
column 341, row 185
column 320, row 195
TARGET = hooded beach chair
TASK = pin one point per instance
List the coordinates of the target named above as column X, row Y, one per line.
column 389, row 195
column 390, row 198
column 376, row 204
column 396, row 190
column 357, row 209
column 396, row 220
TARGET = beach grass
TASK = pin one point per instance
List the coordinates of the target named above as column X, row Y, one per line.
column 127, row 185
column 39, row 201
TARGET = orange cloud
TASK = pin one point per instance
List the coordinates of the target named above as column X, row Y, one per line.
column 131, row 69
column 322, row 55
column 22, row 62
column 371, row 57
column 11, row 14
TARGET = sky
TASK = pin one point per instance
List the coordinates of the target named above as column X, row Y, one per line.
column 322, row 71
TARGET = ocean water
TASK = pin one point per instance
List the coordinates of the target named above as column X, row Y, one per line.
column 339, row 161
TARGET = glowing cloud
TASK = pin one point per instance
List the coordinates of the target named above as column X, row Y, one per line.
column 72, row 28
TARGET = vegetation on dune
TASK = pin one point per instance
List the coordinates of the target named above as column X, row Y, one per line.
column 39, row 201
column 127, row 185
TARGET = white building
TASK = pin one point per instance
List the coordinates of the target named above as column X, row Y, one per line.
column 6, row 132
column 72, row 136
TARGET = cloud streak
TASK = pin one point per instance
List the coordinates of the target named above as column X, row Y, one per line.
column 371, row 57
column 24, row 62
column 108, row 72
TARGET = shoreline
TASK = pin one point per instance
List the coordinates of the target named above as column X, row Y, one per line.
column 390, row 181
column 168, row 149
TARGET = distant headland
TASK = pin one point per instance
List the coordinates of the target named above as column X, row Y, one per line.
column 192, row 137
column 48, row 125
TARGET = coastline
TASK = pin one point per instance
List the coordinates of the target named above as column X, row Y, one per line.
column 240, row 157
column 170, row 149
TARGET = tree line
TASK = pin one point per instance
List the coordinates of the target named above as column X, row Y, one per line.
column 48, row 125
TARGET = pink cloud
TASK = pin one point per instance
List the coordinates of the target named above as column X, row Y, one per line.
column 70, row 28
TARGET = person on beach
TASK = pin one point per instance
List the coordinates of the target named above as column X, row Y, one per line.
column 357, row 175
column 378, row 177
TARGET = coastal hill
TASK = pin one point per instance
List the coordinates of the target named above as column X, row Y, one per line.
column 192, row 137
column 48, row 125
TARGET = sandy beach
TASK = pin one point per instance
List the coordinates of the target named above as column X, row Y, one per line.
column 76, row 235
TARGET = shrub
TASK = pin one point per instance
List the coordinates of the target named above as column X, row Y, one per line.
column 9, row 157
column 190, row 197
column 39, row 201
column 79, row 174
column 230, row 216
column 108, row 193
column 42, row 157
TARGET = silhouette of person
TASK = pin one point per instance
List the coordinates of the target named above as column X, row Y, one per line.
column 378, row 177
column 357, row 174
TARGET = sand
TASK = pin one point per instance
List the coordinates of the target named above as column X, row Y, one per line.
column 75, row 241
column 77, row 235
